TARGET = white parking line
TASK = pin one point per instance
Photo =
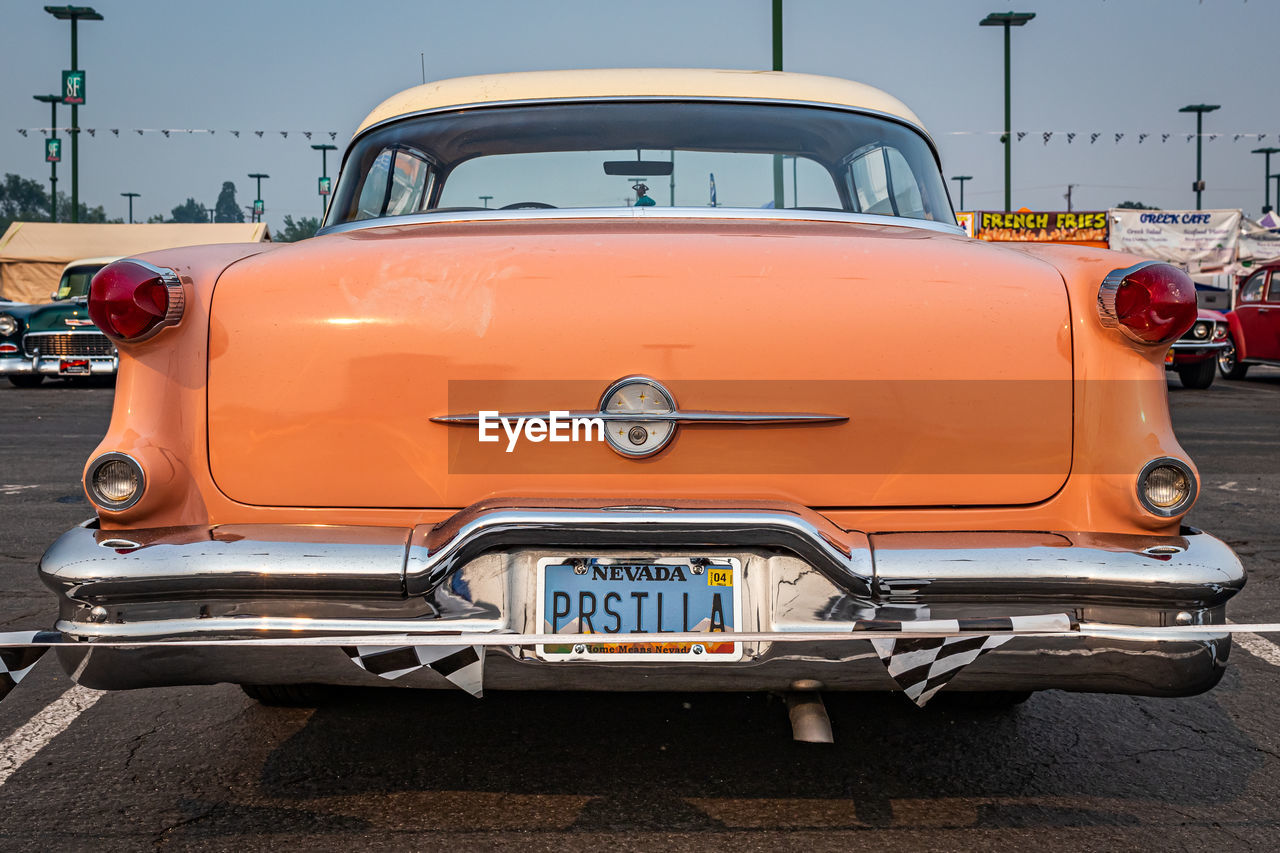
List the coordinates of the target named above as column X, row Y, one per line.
column 33, row 735
column 1259, row 647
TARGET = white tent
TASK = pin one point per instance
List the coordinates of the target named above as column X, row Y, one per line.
column 32, row 254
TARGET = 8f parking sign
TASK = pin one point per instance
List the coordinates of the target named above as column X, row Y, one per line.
column 73, row 87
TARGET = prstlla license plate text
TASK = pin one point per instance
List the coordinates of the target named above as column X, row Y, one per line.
column 620, row 596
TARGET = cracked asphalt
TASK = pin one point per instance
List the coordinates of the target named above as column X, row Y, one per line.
column 208, row 769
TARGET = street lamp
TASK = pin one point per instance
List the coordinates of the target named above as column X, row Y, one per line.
column 74, row 14
column 960, row 179
column 485, row 199
column 1199, row 110
column 52, row 101
column 1007, row 20
column 258, row 207
column 131, row 197
column 324, row 173
column 1266, row 176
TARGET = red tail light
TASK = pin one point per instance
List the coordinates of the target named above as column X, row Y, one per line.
column 1151, row 302
column 131, row 300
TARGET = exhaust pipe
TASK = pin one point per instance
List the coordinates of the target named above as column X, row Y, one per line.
column 809, row 720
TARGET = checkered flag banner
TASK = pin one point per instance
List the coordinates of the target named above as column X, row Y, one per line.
column 17, row 660
column 924, row 665
column 461, row 666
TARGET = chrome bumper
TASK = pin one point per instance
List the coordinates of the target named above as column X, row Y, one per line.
column 51, row 365
column 1198, row 346
column 476, row 574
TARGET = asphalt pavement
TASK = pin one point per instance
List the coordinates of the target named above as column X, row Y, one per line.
column 207, row 768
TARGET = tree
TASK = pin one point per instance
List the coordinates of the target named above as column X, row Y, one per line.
column 190, row 211
column 1135, row 205
column 87, row 213
column 22, row 199
column 226, row 209
column 295, row 231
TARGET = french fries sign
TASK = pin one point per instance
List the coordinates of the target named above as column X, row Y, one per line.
column 1036, row 226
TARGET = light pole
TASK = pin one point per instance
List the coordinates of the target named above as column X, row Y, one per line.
column 258, row 207
column 779, row 199
column 1067, row 195
column 1199, row 110
column 485, row 199
column 74, row 14
column 1007, row 20
column 52, row 101
column 324, row 173
column 960, row 179
column 1266, row 176
column 131, row 197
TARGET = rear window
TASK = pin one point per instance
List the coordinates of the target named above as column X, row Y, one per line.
column 652, row 154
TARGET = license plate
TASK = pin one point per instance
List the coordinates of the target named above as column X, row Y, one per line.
column 73, row 367
column 593, row 596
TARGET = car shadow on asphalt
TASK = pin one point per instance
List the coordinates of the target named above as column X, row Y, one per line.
column 672, row 762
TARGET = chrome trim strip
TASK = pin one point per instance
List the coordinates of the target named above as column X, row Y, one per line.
column 412, row 634
column 673, row 416
column 689, row 213
column 98, row 332
column 690, row 417
column 1199, row 344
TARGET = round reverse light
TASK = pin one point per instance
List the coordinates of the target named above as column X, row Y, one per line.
column 625, row 406
column 114, row 481
column 8, row 324
column 1166, row 487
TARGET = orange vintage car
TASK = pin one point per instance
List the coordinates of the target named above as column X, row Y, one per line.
column 643, row 380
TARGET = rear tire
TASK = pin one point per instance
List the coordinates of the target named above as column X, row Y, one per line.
column 26, row 381
column 288, row 695
column 1198, row 375
column 1228, row 364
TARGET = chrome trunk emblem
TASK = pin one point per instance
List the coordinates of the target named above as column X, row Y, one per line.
column 641, row 416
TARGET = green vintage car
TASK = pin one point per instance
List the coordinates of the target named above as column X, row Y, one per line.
column 58, row 339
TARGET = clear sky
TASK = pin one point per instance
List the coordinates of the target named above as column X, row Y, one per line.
column 1104, row 66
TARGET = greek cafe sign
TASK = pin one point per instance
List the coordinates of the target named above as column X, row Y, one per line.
column 1196, row 239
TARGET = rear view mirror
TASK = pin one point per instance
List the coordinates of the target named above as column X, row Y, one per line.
column 637, row 168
